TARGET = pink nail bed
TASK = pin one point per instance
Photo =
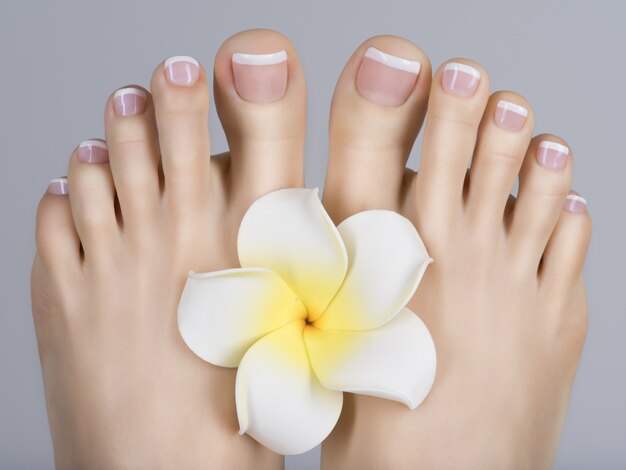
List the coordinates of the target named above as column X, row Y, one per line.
column 182, row 70
column 576, row 204
column 260, row 78
column 510, row 116
column 552, row 155
column 129, row 101
column 58, row 187
column 93, row 151
column 385, row 79
column 460, row 79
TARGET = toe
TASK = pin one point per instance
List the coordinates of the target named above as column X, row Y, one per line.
column 544, row 183
column 565, row 254
column 133, row 156
column 456, row 105
column 181, row 105
column 93, row 198
column 58, row 245
column 503, row 139
column 377, row 110
column 260, row 97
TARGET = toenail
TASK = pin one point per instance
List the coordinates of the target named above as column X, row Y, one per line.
column 552, row 155
column 510, row 116
column 575, row 203
column 385, row 79
column 460, row 79
column 129, row 101
column 93, row 151
column 58, row 187
column 182, row 70
column 260, row 78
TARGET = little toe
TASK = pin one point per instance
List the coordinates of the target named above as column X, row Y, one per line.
column 58, row 245
column 503, row 139
column 181, row 105
column 378, row 108
column 93, row 198
column 133, row 156
column 456, row 105
column 544, row 183
column 260, row 97
column 565, row 254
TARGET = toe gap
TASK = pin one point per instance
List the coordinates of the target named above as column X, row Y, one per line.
column 118, row 213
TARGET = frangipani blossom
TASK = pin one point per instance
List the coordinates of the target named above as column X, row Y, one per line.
column 314, row 311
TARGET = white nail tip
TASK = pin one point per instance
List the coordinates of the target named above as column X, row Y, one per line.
column 93, row 143
column 554, row 146
column 458, row 67
column 516, row 108
column 181, row 58
column 399, row 63
column 129, row 91
column 576, row 198
column 59, row 180
column 260, row 59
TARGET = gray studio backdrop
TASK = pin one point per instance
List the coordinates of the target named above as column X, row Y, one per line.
column 60, row 60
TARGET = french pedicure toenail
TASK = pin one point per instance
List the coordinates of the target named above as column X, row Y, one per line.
column 182, row 70
column 58, row 187
column 93, row 151
column 385, row 79
column 510, row 116
column 129, row 101
column 552, row 155
column 576, row 204
column 260, row 78
column 460, row 79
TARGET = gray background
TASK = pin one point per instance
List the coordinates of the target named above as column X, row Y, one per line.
column 60, row 60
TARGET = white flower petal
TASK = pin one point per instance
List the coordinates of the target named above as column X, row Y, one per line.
column 396, row 361
column 289, row 232
column 386, row 261
column 280, row 402
column 221, row 314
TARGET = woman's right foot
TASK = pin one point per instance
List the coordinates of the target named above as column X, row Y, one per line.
column 504, row 299
column 116, row 239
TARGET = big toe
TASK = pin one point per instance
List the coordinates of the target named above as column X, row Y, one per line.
column 377, row 110
column 260, row 97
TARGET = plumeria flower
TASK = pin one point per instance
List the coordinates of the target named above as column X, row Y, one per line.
column 314, row 311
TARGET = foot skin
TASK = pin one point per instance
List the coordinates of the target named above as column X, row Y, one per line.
column 116, row 240
column 504, row 299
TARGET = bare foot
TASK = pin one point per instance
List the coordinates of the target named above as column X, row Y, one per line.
column 116, row 240
column 504, row 299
